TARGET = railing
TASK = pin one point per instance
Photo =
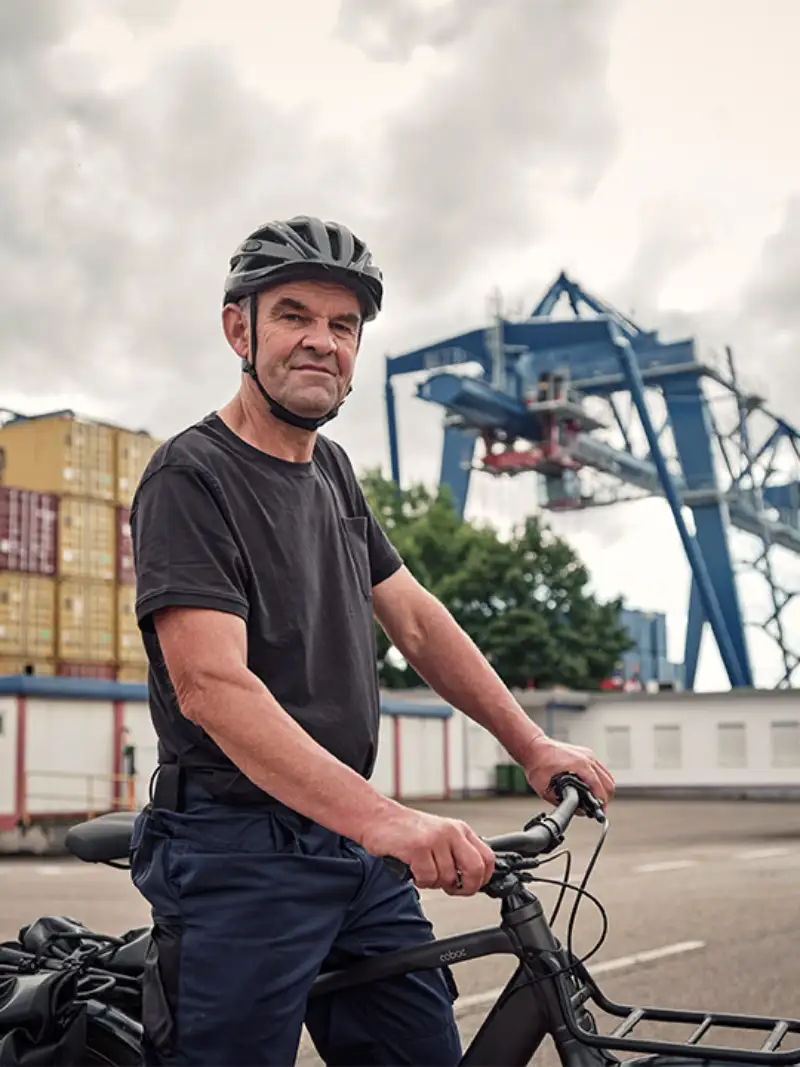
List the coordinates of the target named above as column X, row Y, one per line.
column 102, row 793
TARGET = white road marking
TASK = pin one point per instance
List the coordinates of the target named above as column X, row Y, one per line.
column 464, row 1005
column 52, row 868
column 665, row 865
column 763, row 853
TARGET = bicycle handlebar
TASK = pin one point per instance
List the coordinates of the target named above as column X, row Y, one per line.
column 543, row 833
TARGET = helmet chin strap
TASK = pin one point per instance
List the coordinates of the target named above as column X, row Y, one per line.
column 302, row 422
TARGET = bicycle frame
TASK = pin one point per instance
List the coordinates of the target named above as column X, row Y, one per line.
column 549, row 990
column 520, row 1020
column 546, row 996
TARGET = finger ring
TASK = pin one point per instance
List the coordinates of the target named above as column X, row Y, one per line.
column 459, row 883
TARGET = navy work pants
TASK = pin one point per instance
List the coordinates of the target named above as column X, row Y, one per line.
column 249, row 905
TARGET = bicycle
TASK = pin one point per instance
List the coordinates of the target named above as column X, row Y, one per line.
column 548, row 995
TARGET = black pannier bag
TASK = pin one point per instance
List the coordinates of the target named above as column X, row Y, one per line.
column 42, row 1023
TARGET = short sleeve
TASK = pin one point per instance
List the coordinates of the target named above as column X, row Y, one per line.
column 384, row 559
column 185, row 554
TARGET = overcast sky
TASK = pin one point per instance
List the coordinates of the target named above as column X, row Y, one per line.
column 646, row 148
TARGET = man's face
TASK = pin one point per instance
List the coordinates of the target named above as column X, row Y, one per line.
column 307, row 335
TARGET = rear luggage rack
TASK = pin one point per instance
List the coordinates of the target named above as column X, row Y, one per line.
column 619, row 1038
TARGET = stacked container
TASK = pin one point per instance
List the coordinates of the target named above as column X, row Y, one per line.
column 28, row 566
column 129, row 651
column 66, row 568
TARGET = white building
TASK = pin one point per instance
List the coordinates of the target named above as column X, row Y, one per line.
column 63, row 744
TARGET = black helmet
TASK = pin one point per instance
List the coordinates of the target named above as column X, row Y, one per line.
column 304, row 247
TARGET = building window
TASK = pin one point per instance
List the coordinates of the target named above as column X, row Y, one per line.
column 618, row 747
column 785, row 744
column 731, row 744
column 667, row 747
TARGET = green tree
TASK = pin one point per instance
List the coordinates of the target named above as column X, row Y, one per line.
column 524, row 601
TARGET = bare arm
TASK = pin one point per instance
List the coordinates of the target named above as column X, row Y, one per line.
column 452, row 665
column 206, row 655
column 450, row 662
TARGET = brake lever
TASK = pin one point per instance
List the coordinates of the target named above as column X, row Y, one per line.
column 589, row 803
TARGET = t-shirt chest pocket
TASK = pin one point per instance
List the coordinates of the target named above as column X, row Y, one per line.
column 354, row 534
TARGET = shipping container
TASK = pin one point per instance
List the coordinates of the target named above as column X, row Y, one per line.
column 59, row 453
column 87, row 539
column 27, row 616
column 85, row 622
column 102, row 671
column 133, row 673
column 125, row 572
column 28, row 531
column 129, row 645
column 133, row 452
column 20, row 665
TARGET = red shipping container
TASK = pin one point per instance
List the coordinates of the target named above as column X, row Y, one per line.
column 28, row 531
column 125, row 571
column 104, row 671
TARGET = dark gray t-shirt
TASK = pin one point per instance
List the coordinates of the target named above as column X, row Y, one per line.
column 291, row 548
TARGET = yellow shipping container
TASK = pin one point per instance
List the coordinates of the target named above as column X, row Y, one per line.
column 27, row 616
column 12, row 665
column 133, row 452
column 59, row 453
column 85, row 625
column 132, row 672
column 129, row 647
column 86, row 539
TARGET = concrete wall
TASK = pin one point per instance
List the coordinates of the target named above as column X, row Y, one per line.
column 69, row 755
column 743, row 739
column 8, row 754
column 61, row 743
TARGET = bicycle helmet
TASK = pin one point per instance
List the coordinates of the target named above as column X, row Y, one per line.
column 301, row 248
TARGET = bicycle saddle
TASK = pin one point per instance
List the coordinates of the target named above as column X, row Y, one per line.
column 105, row 839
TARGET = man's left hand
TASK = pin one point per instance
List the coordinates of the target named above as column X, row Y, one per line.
column 548, row 758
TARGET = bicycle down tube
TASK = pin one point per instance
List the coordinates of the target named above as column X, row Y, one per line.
column 524, row 1013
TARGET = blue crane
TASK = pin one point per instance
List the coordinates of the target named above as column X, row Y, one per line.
column 604, row 411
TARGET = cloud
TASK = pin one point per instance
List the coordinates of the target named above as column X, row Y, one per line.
column 123, row 197
column 516, row 114
column 121, row 208
column 395, row 29
column 513, row 114
column 768, row 323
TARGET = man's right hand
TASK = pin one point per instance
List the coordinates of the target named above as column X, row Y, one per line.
column 435, row 849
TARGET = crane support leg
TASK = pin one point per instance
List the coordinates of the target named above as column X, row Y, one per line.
column 734, row 668
column 694, row 634
column 391, row 423
column 457, row 454
column 694, row 432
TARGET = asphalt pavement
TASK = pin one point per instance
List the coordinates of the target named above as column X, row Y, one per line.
column 702, row 898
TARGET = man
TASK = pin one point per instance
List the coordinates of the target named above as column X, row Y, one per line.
column 259, row 568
